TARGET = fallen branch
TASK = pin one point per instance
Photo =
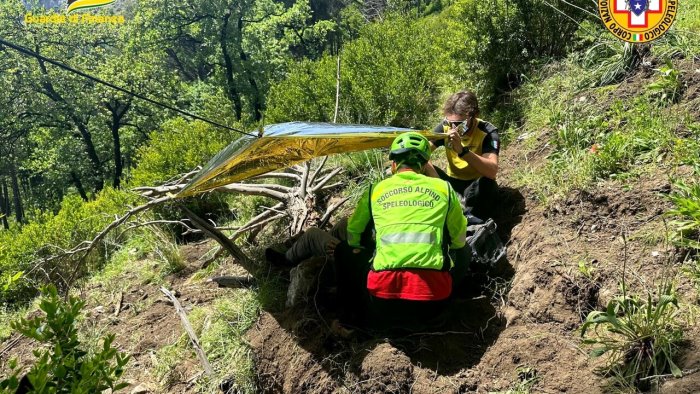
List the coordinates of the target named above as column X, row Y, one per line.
column 331, row 186
column 304, row 179
column 219, row 237
column 318, row 170
column 255, row 225
column 85, row 247
column 233, row 281
column 280, row 175
column 118, row 304
column 327, row 178
column 326, row 216
column 684, row 373
column 190, row 332
column 10, row 344
column 258, row 190
column 155, row 222
column 269, row 212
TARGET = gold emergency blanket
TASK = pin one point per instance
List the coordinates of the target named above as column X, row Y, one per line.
column 285, row 144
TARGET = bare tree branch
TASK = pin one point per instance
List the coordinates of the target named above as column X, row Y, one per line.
column 318, row 170
column 217, row 235
column 304, row 179
column 190, row 332
column 326, row 216
column 326, row 179
column 281, row 175
column 84, row 248
column 254, row 190
column 256, row 225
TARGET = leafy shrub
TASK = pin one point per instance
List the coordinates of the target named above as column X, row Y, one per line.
column 394, row 73
column 66, row 367
column 178, row 147
column 505, row 38
column 48, row 234
column 686, row 201
column 607, row 59
column 640, row 337
column 667, row 87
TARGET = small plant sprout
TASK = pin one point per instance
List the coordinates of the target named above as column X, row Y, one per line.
column 667, row 87
column 586, row 269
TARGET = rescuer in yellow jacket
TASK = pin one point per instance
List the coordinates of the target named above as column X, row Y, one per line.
column 415, row 220
column 472, row 146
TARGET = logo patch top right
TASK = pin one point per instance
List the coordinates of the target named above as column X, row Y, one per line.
column 638, row 21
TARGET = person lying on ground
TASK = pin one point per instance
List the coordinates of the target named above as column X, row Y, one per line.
column 314, row 242
column 472, row 146
column 403, row 274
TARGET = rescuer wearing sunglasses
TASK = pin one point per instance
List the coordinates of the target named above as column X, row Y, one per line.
column 472, row 148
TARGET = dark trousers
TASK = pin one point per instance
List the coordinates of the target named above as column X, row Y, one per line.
column 359, row 308
column 478, row 195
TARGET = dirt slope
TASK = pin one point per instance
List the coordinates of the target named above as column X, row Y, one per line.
column 514, row 330
column 145, row 323
column 565, row 260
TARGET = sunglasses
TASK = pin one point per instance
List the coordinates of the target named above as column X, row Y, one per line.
column 461, row 125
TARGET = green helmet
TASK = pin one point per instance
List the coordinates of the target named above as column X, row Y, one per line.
column 410, row 147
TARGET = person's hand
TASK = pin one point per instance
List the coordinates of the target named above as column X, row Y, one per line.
column 330, row 246
column 455, row 140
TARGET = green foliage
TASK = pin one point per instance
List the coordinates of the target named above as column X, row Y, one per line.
column 607, row 60
column 399, row 70
column 66, row 367
column 592, row 135
column 586, row 269
column 361, row 169
column 48, row 234
column 167, row 251
column 505, row 38
column 667, row 87
column 178, row 147
column 691, row 269
column 527, row 378
column 683, row 39
column 640, row 337
column 306, row 94
column 394, row 73
column 686, row 213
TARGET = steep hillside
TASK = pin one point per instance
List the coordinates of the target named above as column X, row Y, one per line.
column 570, row 244
column 585, row 189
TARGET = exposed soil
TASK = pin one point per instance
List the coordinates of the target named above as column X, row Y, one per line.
column 565, row 261
column 145, row 323
column 517, row 325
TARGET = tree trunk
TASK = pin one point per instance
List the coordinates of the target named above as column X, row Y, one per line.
column 4, row 205
column 231, row 87
column 50, row 92
column 19, row 212
column 118, row 163
column 78, row 185
column 92, row 153
column 27, row 187
column 118, row 112
column 256, row 101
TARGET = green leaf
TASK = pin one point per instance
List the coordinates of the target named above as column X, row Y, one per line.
column 674, row 368
column 597, row 352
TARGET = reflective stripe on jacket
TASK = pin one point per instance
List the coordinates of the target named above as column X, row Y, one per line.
column 410, row 212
